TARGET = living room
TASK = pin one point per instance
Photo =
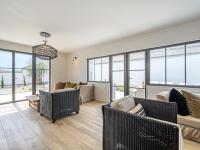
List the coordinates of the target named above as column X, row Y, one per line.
column 100, row 75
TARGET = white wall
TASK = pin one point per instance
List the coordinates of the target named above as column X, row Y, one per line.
column 172, row 35
column 58, row 65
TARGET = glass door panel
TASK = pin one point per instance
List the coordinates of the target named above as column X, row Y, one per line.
column 117, row 77
column 5, row 76
column 23, row 76
column 42, row 75
column 137, row 74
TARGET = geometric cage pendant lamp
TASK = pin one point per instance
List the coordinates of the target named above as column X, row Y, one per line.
column 44, row 51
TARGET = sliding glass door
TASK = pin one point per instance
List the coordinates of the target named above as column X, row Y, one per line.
column 136, row 72
column 117, row 76
column 5, row 76
column 23, row 75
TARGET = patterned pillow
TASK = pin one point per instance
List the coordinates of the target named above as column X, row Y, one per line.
column 124, row 104
column 138, row 110
column 193, row 102
column 70, row 85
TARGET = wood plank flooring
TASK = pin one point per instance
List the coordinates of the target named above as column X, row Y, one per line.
column 22, row 128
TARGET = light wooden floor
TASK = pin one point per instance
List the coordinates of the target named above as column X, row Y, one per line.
column 22, row 128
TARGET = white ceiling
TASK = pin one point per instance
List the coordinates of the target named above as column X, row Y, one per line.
column 79, row 23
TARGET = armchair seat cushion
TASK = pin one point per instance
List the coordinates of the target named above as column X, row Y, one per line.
column 189, row 121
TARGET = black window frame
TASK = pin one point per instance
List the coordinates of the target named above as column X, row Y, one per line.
column 88, row 78
column 33, row 74
column 147, row 67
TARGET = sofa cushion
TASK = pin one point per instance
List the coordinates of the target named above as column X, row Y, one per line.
column 70, row 85
column 138, row 110
column 190, row 133
column 163, row 96
column 124, row 104
column 176, row 96
column 193, row 102
column 63, row 90
column 189, row 121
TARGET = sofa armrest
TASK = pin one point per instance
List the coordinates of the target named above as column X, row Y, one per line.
column 166, row 111
column 45, row 103
column 86, row 93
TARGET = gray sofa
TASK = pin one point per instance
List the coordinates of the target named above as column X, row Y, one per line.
column 59, row 104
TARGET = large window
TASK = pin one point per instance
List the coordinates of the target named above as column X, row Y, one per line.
column 5, row 76
column 192, row 64
column 98, row 69
column 18, row 78
column 117, row 77
column 137, row 74
column 173, row 65
column 157, row 66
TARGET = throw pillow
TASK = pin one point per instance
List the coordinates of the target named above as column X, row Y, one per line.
column 83, row 83
column 70, row 85
column 124, row 104
column 176, row 96
column 138, row 110
column 193, row 102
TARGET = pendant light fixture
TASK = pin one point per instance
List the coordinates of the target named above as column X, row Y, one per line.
column 44, row 51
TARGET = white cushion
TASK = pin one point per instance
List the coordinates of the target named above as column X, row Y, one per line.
column 124, row 104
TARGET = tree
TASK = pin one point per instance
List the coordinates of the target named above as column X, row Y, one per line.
column 24, row 80
column 2, row 82
column 41, row 70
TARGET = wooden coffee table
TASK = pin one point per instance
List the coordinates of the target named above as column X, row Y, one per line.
column 34, row 102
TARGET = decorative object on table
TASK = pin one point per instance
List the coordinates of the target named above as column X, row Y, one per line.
column 45, row 51
column 59, row 104
column 34, row 102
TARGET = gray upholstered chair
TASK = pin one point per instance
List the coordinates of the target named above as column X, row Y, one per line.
column 56, row 105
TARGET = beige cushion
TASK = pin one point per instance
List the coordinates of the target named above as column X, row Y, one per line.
column 124, row 104
column 63, row 90
column 138, row 110
column 193, row 102
column 189, row 121
column 163, row 96
column 190, row 133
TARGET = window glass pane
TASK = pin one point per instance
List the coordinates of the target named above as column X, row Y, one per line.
column 5, row 76
column 42, row 75
column 91, row 70
column 176, row 65
column 157, row 66
column 105, row 69
column 118, row 78
column 117, row 92
column 137, row 61
column 192, row 64
column 97, row 68
column 23, row 75
column 137, row 79
column 118, row 62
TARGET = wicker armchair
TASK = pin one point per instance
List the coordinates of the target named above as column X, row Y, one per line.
column 126, row 131
column 60, row 104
